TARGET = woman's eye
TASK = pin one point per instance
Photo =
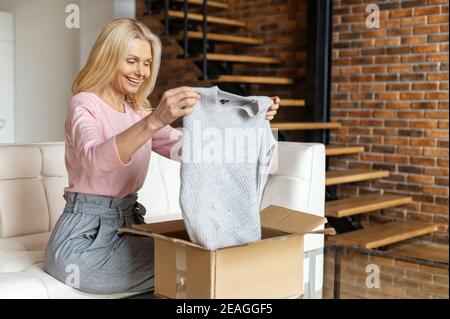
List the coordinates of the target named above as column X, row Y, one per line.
column 130, row 61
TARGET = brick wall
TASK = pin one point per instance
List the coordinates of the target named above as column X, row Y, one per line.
column 397, row 278
column 390, row 92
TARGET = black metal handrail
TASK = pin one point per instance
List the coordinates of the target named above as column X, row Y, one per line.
column 185, row 27
column 205, row 39
column 166, row 17
column 185, row 22
column 149, row 7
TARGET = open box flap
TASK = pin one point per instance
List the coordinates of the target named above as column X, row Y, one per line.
column 155, row 235
column 289, row 220
column 161, row 227
column 157, row 230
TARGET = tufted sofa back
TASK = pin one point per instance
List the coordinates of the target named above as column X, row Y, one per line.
column 33, row 177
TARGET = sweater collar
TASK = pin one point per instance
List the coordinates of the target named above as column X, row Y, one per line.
column 251, row 107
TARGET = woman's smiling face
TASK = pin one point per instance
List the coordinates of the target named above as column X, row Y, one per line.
column 134, row 69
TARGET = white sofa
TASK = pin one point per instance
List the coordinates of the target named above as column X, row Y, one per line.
column 33, row 176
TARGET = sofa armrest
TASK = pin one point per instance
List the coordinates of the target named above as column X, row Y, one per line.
column 298, row 182
column 299, row 179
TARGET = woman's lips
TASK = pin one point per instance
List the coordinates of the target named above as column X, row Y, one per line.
column 133, row 82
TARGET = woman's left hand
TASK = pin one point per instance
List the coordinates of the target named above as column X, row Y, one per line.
column 272, row 110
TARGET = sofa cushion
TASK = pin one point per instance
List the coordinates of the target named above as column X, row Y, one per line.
column 20, row 285
column 34, row 283
column 23, row 207
column 54, row 190
column 160, row 192
column 19, row 260
column 25, row 243
column 53, row 163
column 20, row 162
column 57, row 289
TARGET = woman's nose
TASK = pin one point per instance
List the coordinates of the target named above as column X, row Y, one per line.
column 139, row 70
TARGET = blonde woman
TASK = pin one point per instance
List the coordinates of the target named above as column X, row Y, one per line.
column 110, row 134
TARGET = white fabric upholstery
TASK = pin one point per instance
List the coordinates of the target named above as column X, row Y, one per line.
column 54, row 191
column 14, row 261
column 26, row 198
column 30, row 242
column 32, row 181
column 299, row 183
column 20, row 162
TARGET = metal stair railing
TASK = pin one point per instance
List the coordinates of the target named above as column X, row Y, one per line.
column 185, row 27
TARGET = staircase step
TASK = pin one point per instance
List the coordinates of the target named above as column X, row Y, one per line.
column 363, row 204
column 198, row 35
column 212, row 4
column 383, row 234
column 238, row 58
column 292, row 102
column 211, row 19
column 353, row 175
column 292, row 126
column 332, row 150
column 422, row 250
column 254, row 79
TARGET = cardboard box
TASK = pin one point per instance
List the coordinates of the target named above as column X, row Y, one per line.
column 269, row 268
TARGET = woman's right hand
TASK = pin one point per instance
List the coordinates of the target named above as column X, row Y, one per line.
column 175, row 103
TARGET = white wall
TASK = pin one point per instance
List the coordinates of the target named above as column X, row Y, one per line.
column 46, row 61
column 96, row 14
column 48, row 56
column 6, row 77
column 125, row 9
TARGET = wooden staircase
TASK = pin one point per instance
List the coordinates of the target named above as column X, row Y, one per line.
column 212, row 4
column 198, row 35
column 371, row 236
column 213, row 37
column 383, row 234
column 211, row 19
column 363, row 204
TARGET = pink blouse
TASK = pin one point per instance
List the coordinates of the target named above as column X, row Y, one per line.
column 92, row 161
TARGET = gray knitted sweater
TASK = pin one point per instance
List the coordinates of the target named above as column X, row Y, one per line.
column 228, row 148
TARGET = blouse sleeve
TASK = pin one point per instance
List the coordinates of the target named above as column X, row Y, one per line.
column 168, row 142
column 98, row 155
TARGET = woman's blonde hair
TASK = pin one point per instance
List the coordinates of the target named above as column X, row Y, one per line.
column 110, row 48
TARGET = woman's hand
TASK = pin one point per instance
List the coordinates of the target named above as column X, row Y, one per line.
column 175, row 103
column 272, row 110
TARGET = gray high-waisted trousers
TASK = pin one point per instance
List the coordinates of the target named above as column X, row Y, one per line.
column 86, row 251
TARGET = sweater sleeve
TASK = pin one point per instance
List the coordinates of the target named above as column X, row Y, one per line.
column 168, row 142
column 98, row 155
